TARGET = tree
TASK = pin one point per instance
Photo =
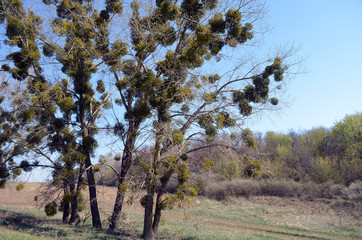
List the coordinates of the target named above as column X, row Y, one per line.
column 76, row 37
column 348, row 135
column 276, row 144
column 184, row 102
column 279, row 158
column 311, row 149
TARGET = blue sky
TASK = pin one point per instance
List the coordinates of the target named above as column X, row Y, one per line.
column 329, row 35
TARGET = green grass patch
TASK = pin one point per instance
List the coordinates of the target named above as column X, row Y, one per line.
column 173, row 229
column 7, row 234
column 280, row 217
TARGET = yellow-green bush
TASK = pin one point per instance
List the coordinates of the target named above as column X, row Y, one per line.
column 324, row 170
column 227, row 169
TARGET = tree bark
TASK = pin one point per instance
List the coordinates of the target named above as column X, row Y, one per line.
column 118, row 205
column 87, row 149
column 74, row 217
column 66, row 207
column 158, row 211
column 148, row 232
column 117, row 209
column 96, row 219
column 127, row 160
column 157, row 217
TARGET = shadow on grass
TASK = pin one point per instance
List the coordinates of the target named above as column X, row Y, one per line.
column 27, row 223
column 47, row 227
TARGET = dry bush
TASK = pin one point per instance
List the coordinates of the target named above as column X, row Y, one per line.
column 278, row 188
column 237, row 187
column 336, row 189
column 351, row 200
column 311, row 190
column 353, row 192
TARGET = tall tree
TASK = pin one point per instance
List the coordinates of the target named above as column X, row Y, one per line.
column 158, row 80
column 34, row 109
column 185, row 102
column 77, row 39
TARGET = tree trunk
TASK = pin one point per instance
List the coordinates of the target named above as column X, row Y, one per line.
column 96, row 219
column 74, row 217
column 87, row 149
column 127, row 159
column 148, row 232
column 118, row 205
column 158, row 210
column 165, row 179
column 66, row 207
column 117, row 209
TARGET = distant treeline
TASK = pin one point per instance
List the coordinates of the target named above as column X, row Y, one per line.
column 318, row 155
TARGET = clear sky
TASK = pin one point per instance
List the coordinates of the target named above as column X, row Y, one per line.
column 329, row 34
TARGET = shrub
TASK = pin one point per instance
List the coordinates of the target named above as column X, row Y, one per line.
column 272, row 169
column 323, row 170
column 236, row 187
column 336, row 190
column 353, row 192
column 278, row 188
column 227, row 169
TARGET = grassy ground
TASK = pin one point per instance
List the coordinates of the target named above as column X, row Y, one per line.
column 236, row 218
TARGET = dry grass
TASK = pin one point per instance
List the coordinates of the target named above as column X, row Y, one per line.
column 255, row 217
column 25, row 198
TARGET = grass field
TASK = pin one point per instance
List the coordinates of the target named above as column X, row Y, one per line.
column 236, row 218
